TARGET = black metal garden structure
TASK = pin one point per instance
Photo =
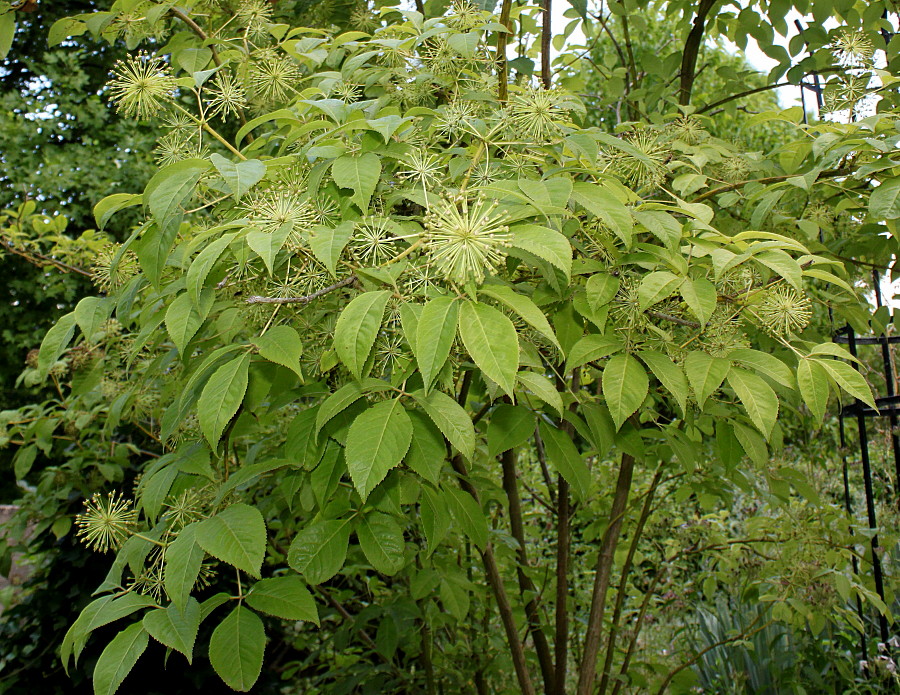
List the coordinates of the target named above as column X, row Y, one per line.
column 887, row 406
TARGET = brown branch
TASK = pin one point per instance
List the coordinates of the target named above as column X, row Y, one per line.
column 302, row 300
column 828, row 174
column 605, row 559
column 40, row 260
column 603, row 23
column 563, row 543
column 632, row 66
column 691, row 51
column 741, row 95
column 507, row 617
column 502, row 64
column 546, row 37
column 542, row 460
column 673, row 319
column 527, row 589
column 623, row 578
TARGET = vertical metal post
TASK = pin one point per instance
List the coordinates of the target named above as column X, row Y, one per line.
column 889, row 386
column 864, row 647
column 870, row 499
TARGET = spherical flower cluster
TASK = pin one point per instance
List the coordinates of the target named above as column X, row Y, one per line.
column 108, row 272
column 466, row 238
column 538, row 114
column 142, row 84
column 784, row 310
column 107, row 521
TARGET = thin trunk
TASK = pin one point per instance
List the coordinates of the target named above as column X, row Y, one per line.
column 546, row 37
column 526, row 586
column 588, row 671
column 623, row 580
column 502, row 42
column 542, row 460
column 561, row 643
column 692, row 51
column 427, row 660
column 563, row 540
column 517, row 651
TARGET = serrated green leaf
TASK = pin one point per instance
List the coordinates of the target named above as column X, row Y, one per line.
column 884, row 203
column 544, row 243
column 55, row 342
column 221, row 397
column 318, row 552
column 118, row 658
column 377, row 442
column 491, row 340
column 63, row 29
column 510, row 426
column 764, row 363
column 359, row 173
column 601, row 203
column 183, row 560
column 427, row 451
column 337, row 402
column 241, row 176
column 625, row 386
column 524, row 307
column 301, row 445
column 657, row 286
column 111, row 204
column 203, row 264
column 543, row 388
column 451, row 419
column 468, row 514
column 7, row 32
column 170, row 187
column 284, row 597
column 669, row 374
column 758, row 398
column 601, row 288
column 381, row 540
column 435, row 333
column 327, row 243
column 91, row 313
column 783, row 264
column 700, row 296
column 357, row 327
column 184, row 317
column 97, row 613
column 705, row 374
column 813, row 382
column 591, row 348
column 281, row 345
column 436, row 519
column 266, row 245
column 849, row 380
column 236, row 649
column 564, row 457
column 175, row 628
column 236, row 535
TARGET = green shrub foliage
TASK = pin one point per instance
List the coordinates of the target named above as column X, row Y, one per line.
column 396, row 317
